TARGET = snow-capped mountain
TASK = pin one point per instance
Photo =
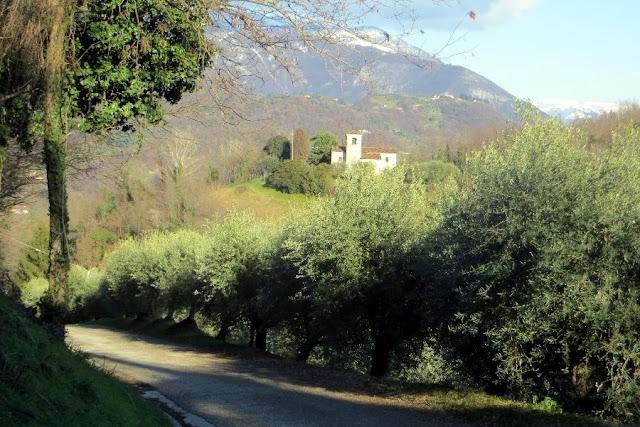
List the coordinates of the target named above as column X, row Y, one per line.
column 386, row 64
column 571, row 110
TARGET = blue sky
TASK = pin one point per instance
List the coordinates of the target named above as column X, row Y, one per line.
column 539, row 49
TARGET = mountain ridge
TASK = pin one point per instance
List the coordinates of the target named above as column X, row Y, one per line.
column 386, row 65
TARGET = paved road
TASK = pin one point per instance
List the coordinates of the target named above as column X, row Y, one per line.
column 239, row 391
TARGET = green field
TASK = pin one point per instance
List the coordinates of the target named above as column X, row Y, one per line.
column 254, row 196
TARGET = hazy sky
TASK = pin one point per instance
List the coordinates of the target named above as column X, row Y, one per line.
column 585, row 50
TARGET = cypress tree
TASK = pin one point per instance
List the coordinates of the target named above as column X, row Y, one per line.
column 300, row 145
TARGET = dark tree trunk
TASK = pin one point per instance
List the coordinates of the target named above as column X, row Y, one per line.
column 193, row 310
column 261, row 338
column 55, row 151
column 224, row 331
column 305, row 350
column 312, row 338
column 381, row 354
column 257, row 332
column 383, row 337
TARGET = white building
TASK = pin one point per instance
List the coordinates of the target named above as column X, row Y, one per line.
column 353, row 151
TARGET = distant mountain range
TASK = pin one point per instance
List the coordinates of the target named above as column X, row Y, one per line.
column 387, row 63
column 571, row 110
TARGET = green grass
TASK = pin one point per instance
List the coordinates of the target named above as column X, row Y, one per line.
column 254, row 196
column 43, row 383
column 472, row 405
column 477, row 406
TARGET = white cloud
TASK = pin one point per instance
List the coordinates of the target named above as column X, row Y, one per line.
column 503, row 10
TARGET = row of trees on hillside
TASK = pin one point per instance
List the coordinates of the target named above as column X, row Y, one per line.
column 524, row 269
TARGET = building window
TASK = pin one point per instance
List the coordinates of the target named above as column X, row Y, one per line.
column 386, row 159
column 354, row 141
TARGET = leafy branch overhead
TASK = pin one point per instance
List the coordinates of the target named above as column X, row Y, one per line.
column 129, row 55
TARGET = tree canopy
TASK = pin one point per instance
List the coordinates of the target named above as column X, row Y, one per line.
column 321, row 143
column 353, row 251
column 540, row 247
column 278, row 146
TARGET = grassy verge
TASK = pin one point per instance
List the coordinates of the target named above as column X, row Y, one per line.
column 472, row 405
column 486, row 409
column 43, row 383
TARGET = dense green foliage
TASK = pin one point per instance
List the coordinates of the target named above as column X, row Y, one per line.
column 321, row 143
column 293, row 177
column 432, row 172
column 278, row 146
column 540, row 245
column 521, row 274
column 287, row 176
column 130, row 55
column 317, row 180
column 42, row 382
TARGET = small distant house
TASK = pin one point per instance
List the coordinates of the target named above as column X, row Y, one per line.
column 353, row 151
column 20, row 210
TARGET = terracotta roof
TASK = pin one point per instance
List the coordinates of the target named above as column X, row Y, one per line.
column 336, row 149
column 355, row 132
column 371, row 156
column 370, row 150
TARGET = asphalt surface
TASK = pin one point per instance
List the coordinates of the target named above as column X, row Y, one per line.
column 226, row 390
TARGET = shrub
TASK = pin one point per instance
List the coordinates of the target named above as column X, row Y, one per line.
column 104, row 236
column 287, row 177
column 85, row 296
column 317, row 180
column 33, row 290
column 431, row 172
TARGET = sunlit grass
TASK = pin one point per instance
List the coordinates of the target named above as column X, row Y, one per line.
column 254, row 196
column 42, row 382
column 481, row 407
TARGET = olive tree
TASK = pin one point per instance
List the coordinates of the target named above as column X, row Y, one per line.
column 354, row 252
column 540, row 251
column 234, row 267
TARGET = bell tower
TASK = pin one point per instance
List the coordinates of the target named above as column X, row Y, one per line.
column 353, row 147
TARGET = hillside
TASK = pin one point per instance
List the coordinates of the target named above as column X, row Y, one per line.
column 42, row 382
column 253, row 196
column 420, row 125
